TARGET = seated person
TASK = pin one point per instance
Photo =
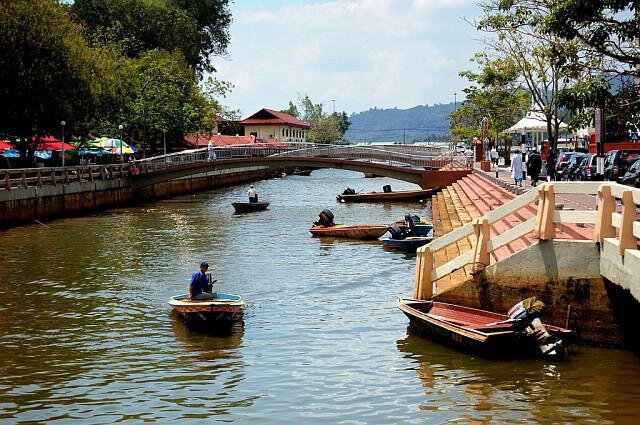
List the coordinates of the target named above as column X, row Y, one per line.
column 199, row 287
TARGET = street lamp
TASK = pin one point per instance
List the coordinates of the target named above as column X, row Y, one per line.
column 334, row 105
column 62, row 123
column 120, row 127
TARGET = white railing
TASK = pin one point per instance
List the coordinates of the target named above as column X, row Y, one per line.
column 544, row 224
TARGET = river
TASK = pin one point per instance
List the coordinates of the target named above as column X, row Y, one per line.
column 87, row 336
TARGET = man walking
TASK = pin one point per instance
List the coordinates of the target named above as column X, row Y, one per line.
column 534, row 165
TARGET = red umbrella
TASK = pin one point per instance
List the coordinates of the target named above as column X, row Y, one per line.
column 55, row 146
column 5, row 145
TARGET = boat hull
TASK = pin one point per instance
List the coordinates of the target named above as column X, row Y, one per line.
column 245, row 207
column 400, row 196
column 471, row 330
column 351, row 232
column 221, row 312
column 409, row 244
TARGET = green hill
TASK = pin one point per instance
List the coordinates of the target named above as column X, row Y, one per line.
column 400, row 125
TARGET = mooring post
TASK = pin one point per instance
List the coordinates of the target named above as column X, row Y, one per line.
column 541, row 202
column 481, row 246
column 604, row 221
column 627, row 240
column 423, row 286
column 548, row 230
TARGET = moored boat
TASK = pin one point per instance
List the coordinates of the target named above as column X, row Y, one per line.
column 408, row 235
column 387, row 196
column 483, row 332
column 244, row 207
column 362, row 231
column 408, row 244
column 221, row 311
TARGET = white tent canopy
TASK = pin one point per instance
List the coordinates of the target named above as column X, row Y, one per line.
column 534, row 121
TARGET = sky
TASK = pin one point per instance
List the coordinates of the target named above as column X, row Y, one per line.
column 356, row 54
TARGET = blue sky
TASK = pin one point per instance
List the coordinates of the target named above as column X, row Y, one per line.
column 362, row 53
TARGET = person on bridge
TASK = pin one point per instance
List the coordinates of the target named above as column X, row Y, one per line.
column 253, row 195
column 212, row 153
column 199, row 288
column 493, row 153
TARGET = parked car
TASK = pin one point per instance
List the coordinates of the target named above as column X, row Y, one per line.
column 574, row 168
column 588, row 170
column 632, row 176
column 572, row 164
column 617, row 162
column 563, row 159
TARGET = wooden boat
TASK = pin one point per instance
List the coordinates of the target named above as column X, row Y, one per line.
column 479, row 331
column 350, row 231
column 408, row 244
column 222, row 310
column 399, row 196
column 245, row 207
column 298, row 172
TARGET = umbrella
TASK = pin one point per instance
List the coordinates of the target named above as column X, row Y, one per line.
column 55, row 146
column 5, row 145
column 123, row 150
column 535, row 121
column 11, row 153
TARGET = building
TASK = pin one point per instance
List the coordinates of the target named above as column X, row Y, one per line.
column 269, row 124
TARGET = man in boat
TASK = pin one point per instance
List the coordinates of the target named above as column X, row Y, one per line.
column 253, row 195
column 199, row 287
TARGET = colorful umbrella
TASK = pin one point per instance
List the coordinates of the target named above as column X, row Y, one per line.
column 5, row 145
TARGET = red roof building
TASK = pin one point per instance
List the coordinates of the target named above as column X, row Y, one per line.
column 220, row 140
column 270, row 124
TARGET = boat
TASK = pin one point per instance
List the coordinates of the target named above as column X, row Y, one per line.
column 303, row 172
column 219, row 312
column 408, row 235
column 483, row 332
column 361, row 231
column 386, row 196
column 245, row 207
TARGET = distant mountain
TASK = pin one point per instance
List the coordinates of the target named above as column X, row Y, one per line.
column 400, row 125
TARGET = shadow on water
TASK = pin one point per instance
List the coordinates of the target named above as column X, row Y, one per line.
column 579, row 389
column 203, row 337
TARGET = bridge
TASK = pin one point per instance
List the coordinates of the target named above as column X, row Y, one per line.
column 426, row 166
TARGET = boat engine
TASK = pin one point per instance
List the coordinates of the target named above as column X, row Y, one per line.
column 326, row 219
column 525, row 317
column 349, row 191
column 397, row 232
column 411, row 225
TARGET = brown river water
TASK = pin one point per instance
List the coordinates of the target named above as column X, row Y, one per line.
column 87, row 336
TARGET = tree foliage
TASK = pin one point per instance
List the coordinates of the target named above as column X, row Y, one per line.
column 325, row 128
column 198, row 28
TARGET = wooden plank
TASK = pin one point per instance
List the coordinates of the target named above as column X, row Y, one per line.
column 512, row 234
column 452, row 237
column 561, row 217
column 512, row 206
column 586, row 188
column 460, row 261
column 617, row 189
column 616, row 220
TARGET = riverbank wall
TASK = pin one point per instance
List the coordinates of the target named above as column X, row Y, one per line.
column 24, row 205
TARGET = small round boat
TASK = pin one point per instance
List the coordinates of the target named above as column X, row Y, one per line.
column 245, row 207
column 223, row 309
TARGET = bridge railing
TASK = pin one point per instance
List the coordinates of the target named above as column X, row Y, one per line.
column 544, row 226
column 38, row 177
column 371, row 154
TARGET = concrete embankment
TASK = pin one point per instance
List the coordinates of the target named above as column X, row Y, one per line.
column 26, row 204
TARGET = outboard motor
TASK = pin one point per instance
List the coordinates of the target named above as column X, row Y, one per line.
column 525, row 317
column 386, row 188
column 349, row 191
column 326, row 219
column 397, row 232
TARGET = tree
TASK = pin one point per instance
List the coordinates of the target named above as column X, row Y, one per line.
column 496, row 93
column 292, row 110
column 547, row 64
column 198, row 28
column 324, row 128
column 48, row 73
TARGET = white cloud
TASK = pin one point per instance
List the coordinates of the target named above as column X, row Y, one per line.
column 362, row 53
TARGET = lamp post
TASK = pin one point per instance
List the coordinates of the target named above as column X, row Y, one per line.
column 120, row 127
column 62, row 123
column 164, row 143
column 334, row 105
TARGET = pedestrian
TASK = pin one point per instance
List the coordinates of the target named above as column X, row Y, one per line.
column 253, row 195
column 534, row 165
column 198, row 288
column 212, row 153
column 516, row 168
column 551, row 165
column 493, row 153
column 468, row 153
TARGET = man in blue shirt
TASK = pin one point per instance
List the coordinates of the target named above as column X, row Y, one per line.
column 199, row 286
